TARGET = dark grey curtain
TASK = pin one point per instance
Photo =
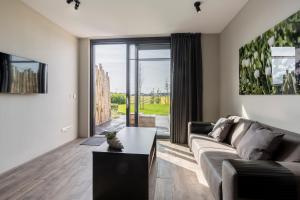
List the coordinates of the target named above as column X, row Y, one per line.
column 186, row 87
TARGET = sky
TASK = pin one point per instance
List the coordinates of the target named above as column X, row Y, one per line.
column 279, row 67
column 283, row 58
column 154, row 74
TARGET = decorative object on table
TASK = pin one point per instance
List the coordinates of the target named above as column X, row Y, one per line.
column 113, row 141
column 270, row 64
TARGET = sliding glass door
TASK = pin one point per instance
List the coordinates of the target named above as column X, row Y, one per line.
column 138, row 75
column 151, row 74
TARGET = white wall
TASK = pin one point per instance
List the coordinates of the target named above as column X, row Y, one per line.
column 211, row 76
column 30, row 125
column 255, row 18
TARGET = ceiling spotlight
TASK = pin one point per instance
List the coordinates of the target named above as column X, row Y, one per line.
column 77, row 3
column 197, row 5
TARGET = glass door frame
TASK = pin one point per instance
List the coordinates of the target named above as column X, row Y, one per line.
column 128, row 42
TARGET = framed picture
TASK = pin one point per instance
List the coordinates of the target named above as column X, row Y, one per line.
column 270, row 64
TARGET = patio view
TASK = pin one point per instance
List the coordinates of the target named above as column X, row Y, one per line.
column 148, row 89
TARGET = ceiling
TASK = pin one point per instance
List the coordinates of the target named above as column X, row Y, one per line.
column 112, row 18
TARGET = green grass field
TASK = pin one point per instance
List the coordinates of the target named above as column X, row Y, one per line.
column 149, row 109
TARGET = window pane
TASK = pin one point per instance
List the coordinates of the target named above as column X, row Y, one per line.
column 112, row 58
column 132, row 51
column 158, row 53
column 110, row 86
column 154, row 95
column 132, row 92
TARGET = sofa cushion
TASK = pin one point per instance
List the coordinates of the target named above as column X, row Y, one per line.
column 201, row 143
column 210, row 154
column 220, row 121
column 211, row 165
column 238, row 130
column 221, row 129
column 259, row 143
column 289, row 148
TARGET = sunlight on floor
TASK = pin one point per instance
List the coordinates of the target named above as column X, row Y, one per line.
column 180, row 156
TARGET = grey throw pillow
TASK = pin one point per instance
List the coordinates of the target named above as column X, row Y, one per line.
column 259, row 143
column 221, row 129
column 239, row 131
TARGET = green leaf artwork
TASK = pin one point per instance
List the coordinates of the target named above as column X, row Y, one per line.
column 270, row 64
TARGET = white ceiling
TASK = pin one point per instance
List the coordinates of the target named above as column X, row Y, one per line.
column 111, row 18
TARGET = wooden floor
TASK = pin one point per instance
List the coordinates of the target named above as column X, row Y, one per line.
column 66, row 174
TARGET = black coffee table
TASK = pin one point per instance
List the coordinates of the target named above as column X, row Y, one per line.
column 125, row 174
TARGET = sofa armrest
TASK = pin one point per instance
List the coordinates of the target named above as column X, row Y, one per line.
column 200, row 127
column 242, row 179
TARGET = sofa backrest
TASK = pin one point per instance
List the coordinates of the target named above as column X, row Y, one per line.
column 288, row 150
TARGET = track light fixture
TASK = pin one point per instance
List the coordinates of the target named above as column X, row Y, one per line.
column 197, row 5
column 77, row 3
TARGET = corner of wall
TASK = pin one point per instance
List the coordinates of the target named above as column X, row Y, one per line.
column 210, row 62
column 84, row 88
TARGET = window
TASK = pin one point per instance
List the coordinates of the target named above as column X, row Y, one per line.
column 131, row 85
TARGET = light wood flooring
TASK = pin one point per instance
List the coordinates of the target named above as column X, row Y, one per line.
column 66, row 174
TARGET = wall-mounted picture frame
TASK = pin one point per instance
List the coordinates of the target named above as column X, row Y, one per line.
column 270, row 64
